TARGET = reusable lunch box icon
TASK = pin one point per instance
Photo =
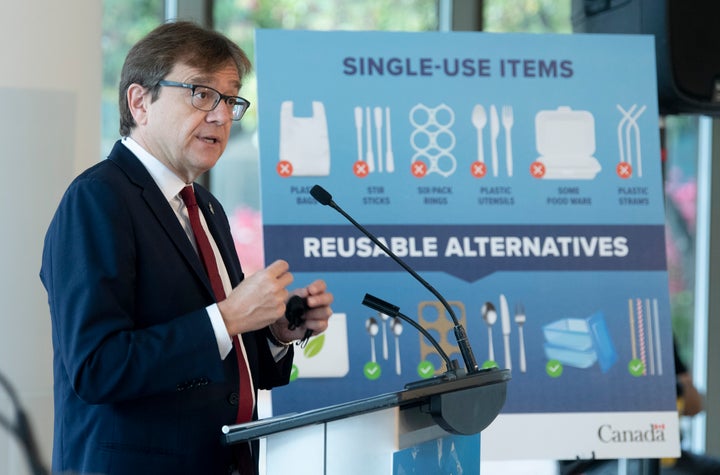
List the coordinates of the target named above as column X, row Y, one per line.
column 565, row 140
column 580, row 342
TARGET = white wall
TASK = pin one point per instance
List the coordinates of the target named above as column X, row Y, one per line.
column 49, row 130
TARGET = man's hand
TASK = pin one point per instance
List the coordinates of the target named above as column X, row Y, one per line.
column 316, row 318
column 258, row 301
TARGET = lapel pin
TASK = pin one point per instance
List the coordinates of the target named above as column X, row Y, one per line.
column 210, row 206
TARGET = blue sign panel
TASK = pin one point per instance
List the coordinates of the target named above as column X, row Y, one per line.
column 519, row 174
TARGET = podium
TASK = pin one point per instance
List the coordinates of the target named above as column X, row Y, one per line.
column 362, row 436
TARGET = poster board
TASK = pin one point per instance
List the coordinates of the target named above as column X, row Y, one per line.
column 520, row 175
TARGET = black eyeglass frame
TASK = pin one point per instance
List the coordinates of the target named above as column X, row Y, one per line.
column 237, row 100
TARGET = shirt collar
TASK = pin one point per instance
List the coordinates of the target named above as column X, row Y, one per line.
column 169, row 183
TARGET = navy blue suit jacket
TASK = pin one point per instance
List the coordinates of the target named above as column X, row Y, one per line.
column 139, row 383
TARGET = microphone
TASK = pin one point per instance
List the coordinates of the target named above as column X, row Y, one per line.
column 324, row 198
column 394, row 311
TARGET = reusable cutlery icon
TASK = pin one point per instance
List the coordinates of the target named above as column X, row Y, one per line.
column 372, row 327
column 505, row 323
column 489, row 314
column 520, row 319
column 494, row 131
column 384, row 317
column 397, row 329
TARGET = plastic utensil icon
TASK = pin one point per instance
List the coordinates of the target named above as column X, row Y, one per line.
column 489, row 314
column 368, row 133
column 397, row 329
column 358, row 130
column 520, row 319
column 378, row 133
column 372, row 328
column 494, row 131
column 479, row 120
column 507, row 122
column 389, row 157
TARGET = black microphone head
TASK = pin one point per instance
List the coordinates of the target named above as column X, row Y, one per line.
column 321, row 195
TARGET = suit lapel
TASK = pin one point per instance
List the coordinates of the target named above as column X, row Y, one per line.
column 159, row 206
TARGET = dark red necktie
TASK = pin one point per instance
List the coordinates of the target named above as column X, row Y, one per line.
column 245, row 404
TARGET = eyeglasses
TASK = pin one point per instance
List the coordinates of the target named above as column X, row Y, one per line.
column 206, row 98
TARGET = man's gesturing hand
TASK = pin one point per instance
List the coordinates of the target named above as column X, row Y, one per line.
column 316, row 317
column 258, row 301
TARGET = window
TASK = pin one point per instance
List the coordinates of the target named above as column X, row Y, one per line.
column 124, row 23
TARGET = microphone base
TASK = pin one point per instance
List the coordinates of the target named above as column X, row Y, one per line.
column 462, row 403
column 435, row 380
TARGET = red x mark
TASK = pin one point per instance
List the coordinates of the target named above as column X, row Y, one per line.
column 418, row 169
column 284, row 168
column 623, row 170
column 537, row 169
column 360, row 169
column 478, row 169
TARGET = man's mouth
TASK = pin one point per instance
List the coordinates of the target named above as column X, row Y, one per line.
column 212, row 140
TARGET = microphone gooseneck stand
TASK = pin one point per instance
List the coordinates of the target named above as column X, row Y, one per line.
column 460, row 401
column 471, row 366
column 394, row 311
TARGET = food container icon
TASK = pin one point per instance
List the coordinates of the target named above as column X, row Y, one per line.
column 580, row 342
column 565, row 140
column 575, row 358
column 569, row 333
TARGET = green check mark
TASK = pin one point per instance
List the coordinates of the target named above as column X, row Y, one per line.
column 636, row 367
column 372, row 370
column 294, row 373
column 554, row 368
column 425, row 369
column 489, row 364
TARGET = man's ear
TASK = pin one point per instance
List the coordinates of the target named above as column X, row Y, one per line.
column 138, row 99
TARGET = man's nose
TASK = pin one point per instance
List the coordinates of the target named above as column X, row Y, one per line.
column 222, row 113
